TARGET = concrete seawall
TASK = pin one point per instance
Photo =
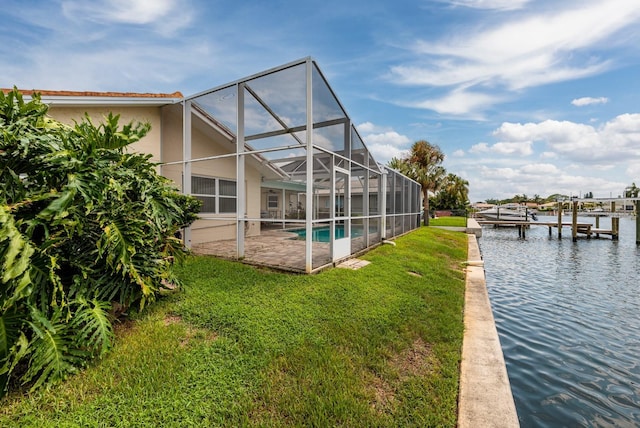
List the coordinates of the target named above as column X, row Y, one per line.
column 485, row 392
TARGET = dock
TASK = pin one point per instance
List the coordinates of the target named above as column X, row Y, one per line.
column 577, row 228
column 587, row 229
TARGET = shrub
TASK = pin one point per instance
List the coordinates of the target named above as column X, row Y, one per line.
column 83, row 224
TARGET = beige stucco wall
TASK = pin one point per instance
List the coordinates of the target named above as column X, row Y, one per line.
column 149, row 144
column 164, row 143
column 171, row 142
column 207, row 142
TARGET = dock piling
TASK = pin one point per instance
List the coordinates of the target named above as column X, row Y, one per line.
column 574, row 221
column 637, row 204
column 615, row 227
column 559, row 220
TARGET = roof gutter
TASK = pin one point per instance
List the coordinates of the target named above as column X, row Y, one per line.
column 73, row 101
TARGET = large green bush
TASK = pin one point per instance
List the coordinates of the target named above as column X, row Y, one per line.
column 84, row 225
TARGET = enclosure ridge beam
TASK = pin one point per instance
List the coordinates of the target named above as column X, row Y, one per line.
column 294, row 129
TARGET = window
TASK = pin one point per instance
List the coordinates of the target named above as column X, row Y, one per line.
column 272, row 201
column 218, row 195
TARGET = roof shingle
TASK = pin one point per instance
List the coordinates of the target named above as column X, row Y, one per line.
column 44, row 92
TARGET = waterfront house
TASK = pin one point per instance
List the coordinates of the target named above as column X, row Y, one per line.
column 283, row 174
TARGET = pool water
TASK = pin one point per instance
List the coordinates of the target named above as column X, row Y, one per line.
column 323, row 234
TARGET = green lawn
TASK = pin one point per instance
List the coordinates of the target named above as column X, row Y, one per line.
column 240, row 346
column 448, row 221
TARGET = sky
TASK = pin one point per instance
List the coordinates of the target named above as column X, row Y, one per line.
column 532, row 97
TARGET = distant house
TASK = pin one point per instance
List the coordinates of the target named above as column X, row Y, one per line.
column 276, row 161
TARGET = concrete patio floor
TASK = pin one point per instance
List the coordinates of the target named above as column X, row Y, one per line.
column 272, row 248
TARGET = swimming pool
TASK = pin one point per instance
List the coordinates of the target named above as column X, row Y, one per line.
column 323, row 233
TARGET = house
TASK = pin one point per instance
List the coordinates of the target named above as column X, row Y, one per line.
column 283, row 174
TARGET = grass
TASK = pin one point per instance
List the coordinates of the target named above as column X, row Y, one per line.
column 449, row 221
column 240, row 346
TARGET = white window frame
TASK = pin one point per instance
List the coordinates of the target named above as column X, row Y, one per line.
column 271, row 199
column 216, row 193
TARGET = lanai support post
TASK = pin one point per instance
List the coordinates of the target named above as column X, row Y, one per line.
column 186, row 162
column 310, row 194
column 241, row 209
column 382, row 197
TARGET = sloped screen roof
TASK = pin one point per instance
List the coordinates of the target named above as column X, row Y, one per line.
column 275, row 115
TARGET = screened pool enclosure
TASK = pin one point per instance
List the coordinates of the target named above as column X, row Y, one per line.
column 284, row 177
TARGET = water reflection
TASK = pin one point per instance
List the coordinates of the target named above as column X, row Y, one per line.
column 568, row 319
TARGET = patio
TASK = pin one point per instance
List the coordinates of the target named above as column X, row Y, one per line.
column 273, row 248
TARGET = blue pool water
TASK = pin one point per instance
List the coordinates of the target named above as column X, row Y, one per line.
column 568, row 316
column 322, row 234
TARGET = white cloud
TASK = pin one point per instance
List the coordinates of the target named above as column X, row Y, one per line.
column 491, row 4
column 633, row 171
column 585, row 101
column 384, row 152
column 383, row 142
column 574, row 157
column 616, row 139
column 626, row 125
column 97, row 70
column 370, row 128
column 119, row 11
column 459, row 102
column 505, row 56
column 557, row 33
column 390, row 137
column 531, row 179
column 458, row 153
column 499, row 173
column 519, row 148
column 479, row 148
column 539, row 169
column 167, row 16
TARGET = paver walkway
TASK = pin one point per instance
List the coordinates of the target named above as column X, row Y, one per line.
column 273, row 248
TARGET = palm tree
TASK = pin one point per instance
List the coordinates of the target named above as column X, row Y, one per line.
column 458, row 187
column 423, row 164
column 632, row 191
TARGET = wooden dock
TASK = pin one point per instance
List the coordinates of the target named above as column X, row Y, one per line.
column 577, row 228
column 587, row 229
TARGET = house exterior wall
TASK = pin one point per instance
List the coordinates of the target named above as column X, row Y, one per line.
column 207, row 142
column 165, row 144
column 149, row 144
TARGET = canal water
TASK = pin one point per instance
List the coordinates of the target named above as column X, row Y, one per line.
column 568, row 317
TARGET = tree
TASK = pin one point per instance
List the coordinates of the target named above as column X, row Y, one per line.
column 453, row 193
column 631, row 191
column 423, row 164
column 83, row 224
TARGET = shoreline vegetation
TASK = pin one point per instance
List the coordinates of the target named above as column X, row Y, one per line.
column 241, row 346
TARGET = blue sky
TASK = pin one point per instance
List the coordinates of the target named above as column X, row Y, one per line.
column 522, row 96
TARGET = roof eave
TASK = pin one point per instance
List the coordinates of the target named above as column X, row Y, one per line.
column 75, row 101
